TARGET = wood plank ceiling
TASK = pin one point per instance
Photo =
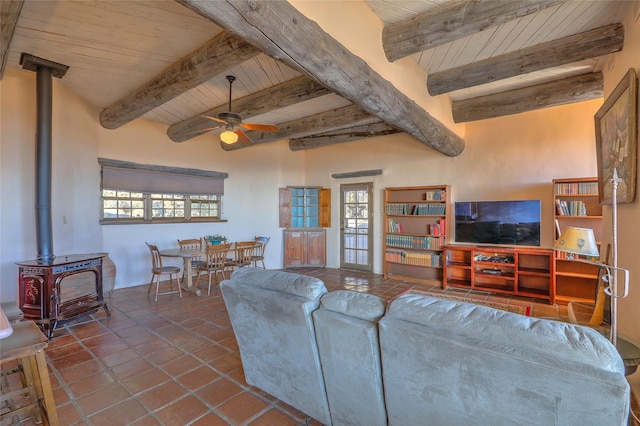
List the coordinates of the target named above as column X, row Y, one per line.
column 166, row 61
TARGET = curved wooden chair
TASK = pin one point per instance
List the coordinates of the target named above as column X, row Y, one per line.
column 158, row 270
column 242, row 252
column 197, row 262
column 216, row 263
column 258, row 251
column 590, row 314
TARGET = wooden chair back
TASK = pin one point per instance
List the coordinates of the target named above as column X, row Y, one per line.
column 261, row 244
column 258, row 251
column 157, row 270
column 216, row 262
column 156, row 259
column 191, row 243
column 243, row 253
column 217, row 255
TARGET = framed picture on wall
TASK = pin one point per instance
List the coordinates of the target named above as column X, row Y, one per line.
column 617, row 140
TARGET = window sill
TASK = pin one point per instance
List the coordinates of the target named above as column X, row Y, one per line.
column 158, row 222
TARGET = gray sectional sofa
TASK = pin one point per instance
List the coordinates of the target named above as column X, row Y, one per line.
column 347, row 358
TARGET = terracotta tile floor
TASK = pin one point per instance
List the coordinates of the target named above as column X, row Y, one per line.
column 176, row 362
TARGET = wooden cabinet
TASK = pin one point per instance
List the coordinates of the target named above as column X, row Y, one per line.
column 576, row 204
column 415, row 232
column 304, row 248
column 518, row 271
column 304, row 211
column 305, row 207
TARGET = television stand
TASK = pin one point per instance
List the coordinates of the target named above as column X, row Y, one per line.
column 520, row 271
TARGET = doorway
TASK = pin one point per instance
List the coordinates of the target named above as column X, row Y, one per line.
column 356, row 226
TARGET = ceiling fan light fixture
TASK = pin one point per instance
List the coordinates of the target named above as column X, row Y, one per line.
column 228, row 137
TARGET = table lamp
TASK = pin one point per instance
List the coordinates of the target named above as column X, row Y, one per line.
column 580, row 241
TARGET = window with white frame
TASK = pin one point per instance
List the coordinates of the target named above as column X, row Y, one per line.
column 205, row 206
column 134, row 193
column 122, row 204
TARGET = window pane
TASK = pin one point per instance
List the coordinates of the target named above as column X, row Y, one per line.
column 167, row 206
column 127, row 205
column 204, row 206
column 121, row 205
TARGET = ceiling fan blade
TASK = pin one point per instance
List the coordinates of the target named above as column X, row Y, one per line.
column 242, row 137
column 214, row 119
column 205, row 130
column 260, row 127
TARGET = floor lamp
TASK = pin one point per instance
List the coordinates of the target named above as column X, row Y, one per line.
column 582, row 242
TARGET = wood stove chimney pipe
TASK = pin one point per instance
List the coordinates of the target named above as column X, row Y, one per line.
column 45, row 70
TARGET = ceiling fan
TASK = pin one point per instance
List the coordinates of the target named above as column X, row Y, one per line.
column 232, row 123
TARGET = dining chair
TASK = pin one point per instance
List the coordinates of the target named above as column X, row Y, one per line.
column 258, row 251
column 591, row 314
column 216, row 263
column 197, row 262
column 242, row 252
column 158, row 270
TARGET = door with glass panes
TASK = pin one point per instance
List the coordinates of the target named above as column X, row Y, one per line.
column 356, row 230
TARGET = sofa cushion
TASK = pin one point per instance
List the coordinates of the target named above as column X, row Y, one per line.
column 285, row 282
column 354, row 304
column 459, row 363
column 347, row 333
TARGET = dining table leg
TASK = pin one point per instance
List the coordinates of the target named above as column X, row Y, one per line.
column 187, row 281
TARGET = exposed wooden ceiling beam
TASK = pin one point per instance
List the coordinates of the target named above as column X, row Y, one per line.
column 343, row 135
column 222, row 52
column 9, row 14
column 327, row 121
column 452, row 21
column 566, row 91
column 574, row 48
column 282, row 95
column 282, row 32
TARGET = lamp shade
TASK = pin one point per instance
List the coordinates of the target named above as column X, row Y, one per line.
column 576, row 240
column 228, row 137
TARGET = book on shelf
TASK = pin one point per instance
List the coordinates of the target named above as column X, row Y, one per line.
column 395, row 226
column 398, row 208
column 437, row 229
column 427, row 209
column 559, row 209
column 576, row 188
column 420, row 209
column 413, row 258
column 571, row 208
column 435, row 195
column 415, row 241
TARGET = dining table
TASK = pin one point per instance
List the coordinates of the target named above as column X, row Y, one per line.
column 187, row 255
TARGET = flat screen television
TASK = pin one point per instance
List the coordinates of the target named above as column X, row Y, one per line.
column 498, row 222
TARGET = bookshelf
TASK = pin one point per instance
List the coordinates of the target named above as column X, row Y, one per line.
column 521, row 271
column 576, row 204
column 415, row 232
